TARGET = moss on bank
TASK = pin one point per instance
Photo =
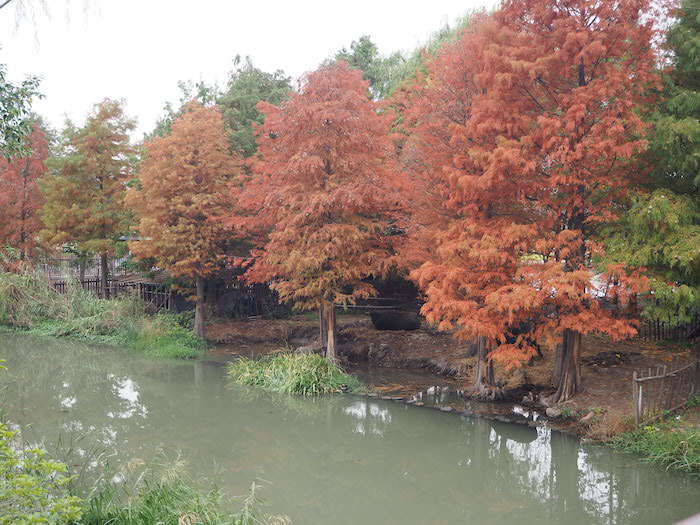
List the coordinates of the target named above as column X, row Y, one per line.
column 29, row 303
column 288, row 373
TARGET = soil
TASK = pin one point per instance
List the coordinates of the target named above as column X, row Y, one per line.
column 601, row 410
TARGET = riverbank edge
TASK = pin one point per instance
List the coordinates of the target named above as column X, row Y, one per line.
column 151, row 348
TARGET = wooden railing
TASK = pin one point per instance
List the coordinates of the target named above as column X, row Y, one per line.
column 156, row 296
column 660, row 390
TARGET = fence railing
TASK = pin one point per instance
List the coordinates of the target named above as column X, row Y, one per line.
column 156, row 296
column 659, row 390
column 656, row 330
column 70, row 267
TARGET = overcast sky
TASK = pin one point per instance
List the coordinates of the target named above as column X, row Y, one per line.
column 139, row 49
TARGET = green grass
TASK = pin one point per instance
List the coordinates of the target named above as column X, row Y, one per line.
column 29, row 303
column 173, row 500
column 667, row 442
column 288, row 373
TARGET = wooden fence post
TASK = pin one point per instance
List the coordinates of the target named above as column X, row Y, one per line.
column 635, row 398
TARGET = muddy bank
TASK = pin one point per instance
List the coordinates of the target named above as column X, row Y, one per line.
column 600, row 411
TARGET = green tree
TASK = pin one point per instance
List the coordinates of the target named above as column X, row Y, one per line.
column 248, row 85
column 15, row 107
column 385, row 73
column 382, row 72
column 661, row 228
column 205, row 94
column 84, row 197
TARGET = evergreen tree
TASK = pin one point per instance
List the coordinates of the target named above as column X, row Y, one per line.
column 661, row 229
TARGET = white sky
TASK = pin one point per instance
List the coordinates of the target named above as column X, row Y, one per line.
column 139, row 49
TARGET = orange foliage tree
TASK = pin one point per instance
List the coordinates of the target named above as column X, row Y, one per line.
column 548, row 149
column 84, row 199
column 456, row 239
column 328, row 182
column 20, row 196
column 181, row 191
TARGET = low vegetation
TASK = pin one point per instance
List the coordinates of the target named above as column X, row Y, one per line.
column 33, row 489
column 172, row 500
column 28, row 302
column 667, row 442
column 289, row 373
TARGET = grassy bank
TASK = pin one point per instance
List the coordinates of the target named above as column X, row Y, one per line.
column 288, row 373
column 671, row 442
column 29, row 303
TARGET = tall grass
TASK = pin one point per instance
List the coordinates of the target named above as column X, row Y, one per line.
column 29, row 302
column 666, row 443
column 288, row 373
column 174, row 501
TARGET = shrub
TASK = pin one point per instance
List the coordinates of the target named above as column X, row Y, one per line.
column 33, row 489
column 288, row 373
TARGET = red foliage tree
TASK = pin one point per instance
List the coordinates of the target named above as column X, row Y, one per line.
column 324, row 169
column 549, row 147
column 456, row 239
column 20, row 196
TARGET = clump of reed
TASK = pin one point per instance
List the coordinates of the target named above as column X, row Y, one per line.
column 290, row 373
column 173, row 500
column 29, row 302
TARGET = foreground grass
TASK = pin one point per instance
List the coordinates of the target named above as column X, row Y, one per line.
column 288, row 373
column 667, row 442
column 29, row 303
column 173, row 501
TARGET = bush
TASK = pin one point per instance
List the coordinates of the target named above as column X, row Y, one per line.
column 33, row 489
column 29, row 302
column 288, row 373
column 665, row 443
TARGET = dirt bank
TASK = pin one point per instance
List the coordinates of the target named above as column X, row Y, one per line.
column 601, row 410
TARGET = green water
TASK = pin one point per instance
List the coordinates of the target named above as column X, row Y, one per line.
column 338, row 460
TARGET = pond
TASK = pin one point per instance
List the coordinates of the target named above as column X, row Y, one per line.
column 343, row 459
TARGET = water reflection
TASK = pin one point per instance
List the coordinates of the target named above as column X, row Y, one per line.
column 342, row 459
column 370, row 417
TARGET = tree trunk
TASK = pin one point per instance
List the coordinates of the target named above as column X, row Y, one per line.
column 81, row 270
column 568, row 367
column 199, row 308
column 322, row 338
column 104, row 275
column 329, row 314
column 484, row 380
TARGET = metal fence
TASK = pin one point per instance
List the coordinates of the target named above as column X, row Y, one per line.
column 659, row 390
column 657, row 330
